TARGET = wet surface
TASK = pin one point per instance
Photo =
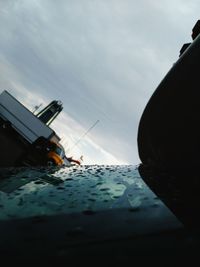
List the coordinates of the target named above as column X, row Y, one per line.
column 62, row 213
column 34, row 192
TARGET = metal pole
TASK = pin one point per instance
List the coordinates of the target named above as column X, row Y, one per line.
column 84, row 134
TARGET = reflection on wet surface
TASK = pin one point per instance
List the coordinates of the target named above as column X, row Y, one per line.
column 26, row 192
column 86, row 212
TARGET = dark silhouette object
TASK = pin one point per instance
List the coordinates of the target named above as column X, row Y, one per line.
column 169, row 132
column 184, row 47
column 196, row 30
column 180, row 193
column 195, row 33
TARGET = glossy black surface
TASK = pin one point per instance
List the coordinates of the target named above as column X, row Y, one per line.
column 168, row 132
column 106, row 213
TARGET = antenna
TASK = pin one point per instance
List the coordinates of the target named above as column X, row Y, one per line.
column 36, row 108
column 84, row 134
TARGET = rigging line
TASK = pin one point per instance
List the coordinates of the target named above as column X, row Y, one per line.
column 85, row 134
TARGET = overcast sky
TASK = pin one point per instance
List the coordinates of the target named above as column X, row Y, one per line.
column 102, row 58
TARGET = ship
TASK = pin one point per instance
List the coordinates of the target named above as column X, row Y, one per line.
column 26, row 138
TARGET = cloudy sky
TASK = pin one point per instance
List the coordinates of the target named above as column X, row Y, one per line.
column 102, row 58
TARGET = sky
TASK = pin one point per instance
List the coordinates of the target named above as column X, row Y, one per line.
column 102, row 58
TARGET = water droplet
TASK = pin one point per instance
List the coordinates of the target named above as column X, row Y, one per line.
column 60, row 188
column 91, row 199
column 39, row 182
column 104, row 189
